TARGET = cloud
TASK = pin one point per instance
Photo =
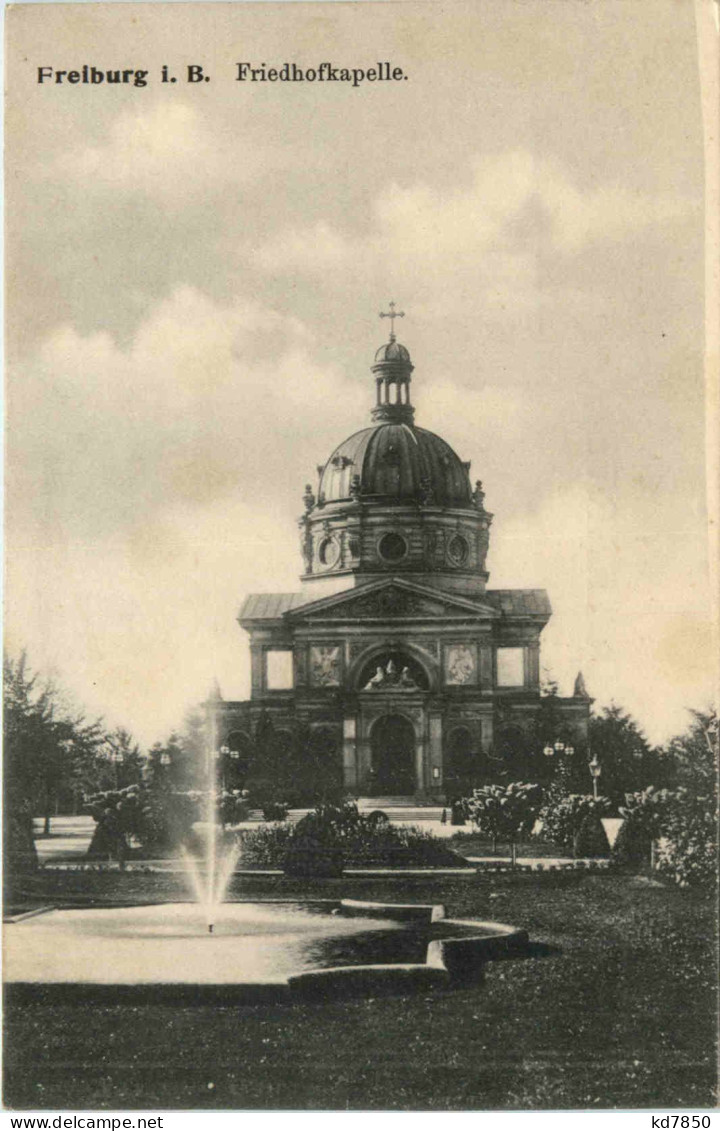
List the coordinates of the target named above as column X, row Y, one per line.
column 513, row 206
column 151, row 487
column 201, row 404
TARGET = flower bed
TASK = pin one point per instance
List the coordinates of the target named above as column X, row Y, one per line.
column 347, row 836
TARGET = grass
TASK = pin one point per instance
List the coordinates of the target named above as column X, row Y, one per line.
column 621, row 1013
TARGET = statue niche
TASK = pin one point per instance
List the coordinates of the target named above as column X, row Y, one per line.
column 393, row 671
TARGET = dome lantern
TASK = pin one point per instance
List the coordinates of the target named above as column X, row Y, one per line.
column 392, row 368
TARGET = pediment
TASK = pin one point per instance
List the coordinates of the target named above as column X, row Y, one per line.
column 389, row 599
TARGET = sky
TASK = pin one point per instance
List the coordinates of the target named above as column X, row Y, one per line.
column 194, row 278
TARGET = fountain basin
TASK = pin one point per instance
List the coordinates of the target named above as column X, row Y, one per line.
column 258, row 951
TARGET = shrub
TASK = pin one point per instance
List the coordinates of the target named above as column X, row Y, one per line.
column 232, row 807
column 688, row 852
column 266, row 845
column 563, row 817
column 648, row 809
column 158, row 819
column 274, row 811
column 504, row 812
column 331, row 836
column 684, row 823
column 632, row 846
column 590, row 838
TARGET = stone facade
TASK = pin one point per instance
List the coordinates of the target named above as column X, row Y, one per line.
column 394, row 652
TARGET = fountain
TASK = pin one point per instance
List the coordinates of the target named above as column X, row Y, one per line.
column 209, row 879
column 241, row 951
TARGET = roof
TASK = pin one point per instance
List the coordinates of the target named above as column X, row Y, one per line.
column 270, row 606
column 393, row 351
column 395, row 461
column 509, row 602
column 519, row 602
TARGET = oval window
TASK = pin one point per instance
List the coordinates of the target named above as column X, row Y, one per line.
column 329, row 552
column 458, row 549
column 392, row 547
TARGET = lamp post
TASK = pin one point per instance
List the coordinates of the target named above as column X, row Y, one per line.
column 560, row 748
column 223, row 754
column 596, row 770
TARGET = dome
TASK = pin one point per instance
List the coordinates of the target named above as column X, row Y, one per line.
column 396, row 462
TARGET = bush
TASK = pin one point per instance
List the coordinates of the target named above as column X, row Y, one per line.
column 590, row 838
column 159, row 819
column 331, row 836
column 274, row 811
column 266, row 845
column 563, row 817
column 688, row 853
column 504, row 812
column 632, row 846
column 232, row 807
column 685, row 825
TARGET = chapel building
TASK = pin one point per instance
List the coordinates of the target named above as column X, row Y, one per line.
column 394, row 656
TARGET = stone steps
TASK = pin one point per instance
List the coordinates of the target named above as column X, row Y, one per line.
column 386, row 803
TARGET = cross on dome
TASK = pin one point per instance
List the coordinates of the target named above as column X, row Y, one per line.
column 392, row 316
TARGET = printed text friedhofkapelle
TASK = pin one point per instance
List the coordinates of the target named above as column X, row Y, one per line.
column 291, row 73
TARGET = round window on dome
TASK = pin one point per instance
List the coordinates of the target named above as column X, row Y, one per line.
column 458, row 550
column 328, row 552
column 392, row 547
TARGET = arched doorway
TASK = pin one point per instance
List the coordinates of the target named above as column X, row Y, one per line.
column 237, row 759
column 392, row 747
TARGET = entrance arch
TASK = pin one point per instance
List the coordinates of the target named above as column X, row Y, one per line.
column 392, row 751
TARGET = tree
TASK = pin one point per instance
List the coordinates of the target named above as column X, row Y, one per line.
column 269, row 776
column 505, row 812
column 119, row 763
column 562, row 772
column 50, row 747
column 692, row 758
column 564, row 817
column 627, row 761
column 311, row 770
column 193, row 743
column 170, row 766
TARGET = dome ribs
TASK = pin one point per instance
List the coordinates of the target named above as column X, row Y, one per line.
column 398, row 462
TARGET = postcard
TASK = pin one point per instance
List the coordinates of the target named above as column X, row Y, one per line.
column 360, row 613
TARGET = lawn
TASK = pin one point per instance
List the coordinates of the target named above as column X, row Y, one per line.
column 620, row 1013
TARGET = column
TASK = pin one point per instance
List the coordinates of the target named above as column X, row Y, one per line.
column 419, row 766
column 486, row 734
column 532, row 665
column 436, row 753
column 363, row 761
column 350, row 775
column 486, row 672
column 256, row 668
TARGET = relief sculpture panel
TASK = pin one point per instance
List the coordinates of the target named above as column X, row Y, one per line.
column 460, row 665
column 325, row 665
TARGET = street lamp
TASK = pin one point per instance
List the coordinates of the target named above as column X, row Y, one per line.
column 222, row 755
column 563, row 751
column 558, row 748
column 595, row 769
